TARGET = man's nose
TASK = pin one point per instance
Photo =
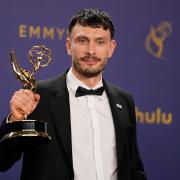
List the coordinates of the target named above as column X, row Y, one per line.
column 91, row 49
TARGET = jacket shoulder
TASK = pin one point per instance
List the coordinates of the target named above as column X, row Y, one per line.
column 47, row 84
column 117, row 91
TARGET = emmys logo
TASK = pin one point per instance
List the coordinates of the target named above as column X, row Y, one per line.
column 39, row 32
column 154, row 42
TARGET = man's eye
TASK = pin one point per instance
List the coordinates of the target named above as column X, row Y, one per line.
column 100, row 42
column 82, row 41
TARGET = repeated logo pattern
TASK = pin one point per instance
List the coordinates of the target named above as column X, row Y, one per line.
column 155, row 40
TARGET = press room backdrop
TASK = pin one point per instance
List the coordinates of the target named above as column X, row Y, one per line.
column 146, row 63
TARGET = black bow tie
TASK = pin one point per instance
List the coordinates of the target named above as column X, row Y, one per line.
column 82, row 91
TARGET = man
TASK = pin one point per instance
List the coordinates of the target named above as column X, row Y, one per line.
column 93, row 135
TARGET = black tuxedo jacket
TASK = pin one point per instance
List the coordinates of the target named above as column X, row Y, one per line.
column 53, row 161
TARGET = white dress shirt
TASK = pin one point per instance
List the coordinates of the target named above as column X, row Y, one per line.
column 93, row 136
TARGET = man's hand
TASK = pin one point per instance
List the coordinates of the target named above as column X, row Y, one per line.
column 22, row 104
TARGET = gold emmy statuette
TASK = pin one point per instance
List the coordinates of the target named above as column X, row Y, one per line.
column 28, row 131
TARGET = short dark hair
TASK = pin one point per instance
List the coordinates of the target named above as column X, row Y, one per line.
column 92, row 17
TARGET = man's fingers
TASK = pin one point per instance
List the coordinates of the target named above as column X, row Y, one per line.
column 23, row 103
column 17, row 114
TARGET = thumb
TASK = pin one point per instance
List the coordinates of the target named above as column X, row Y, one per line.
column 36, row 101
column 36, row 97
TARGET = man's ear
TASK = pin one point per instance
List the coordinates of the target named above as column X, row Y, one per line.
column 112, row 48
column 68, row 45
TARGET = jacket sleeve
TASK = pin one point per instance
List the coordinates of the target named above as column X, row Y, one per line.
column 137, row 165
column 9, row 152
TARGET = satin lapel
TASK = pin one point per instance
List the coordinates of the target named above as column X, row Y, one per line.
column 60, row 109
column 120, row 114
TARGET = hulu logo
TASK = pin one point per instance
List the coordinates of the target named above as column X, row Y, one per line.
column 155, row 117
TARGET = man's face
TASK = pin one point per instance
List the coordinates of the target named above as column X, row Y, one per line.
column 90, row 49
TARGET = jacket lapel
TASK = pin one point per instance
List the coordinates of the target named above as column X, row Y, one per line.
column 60, row 110
column 120, row 114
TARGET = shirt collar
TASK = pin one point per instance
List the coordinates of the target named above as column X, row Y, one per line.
column 73, row 82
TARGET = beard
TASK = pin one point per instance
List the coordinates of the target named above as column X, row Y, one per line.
column 89, row 71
